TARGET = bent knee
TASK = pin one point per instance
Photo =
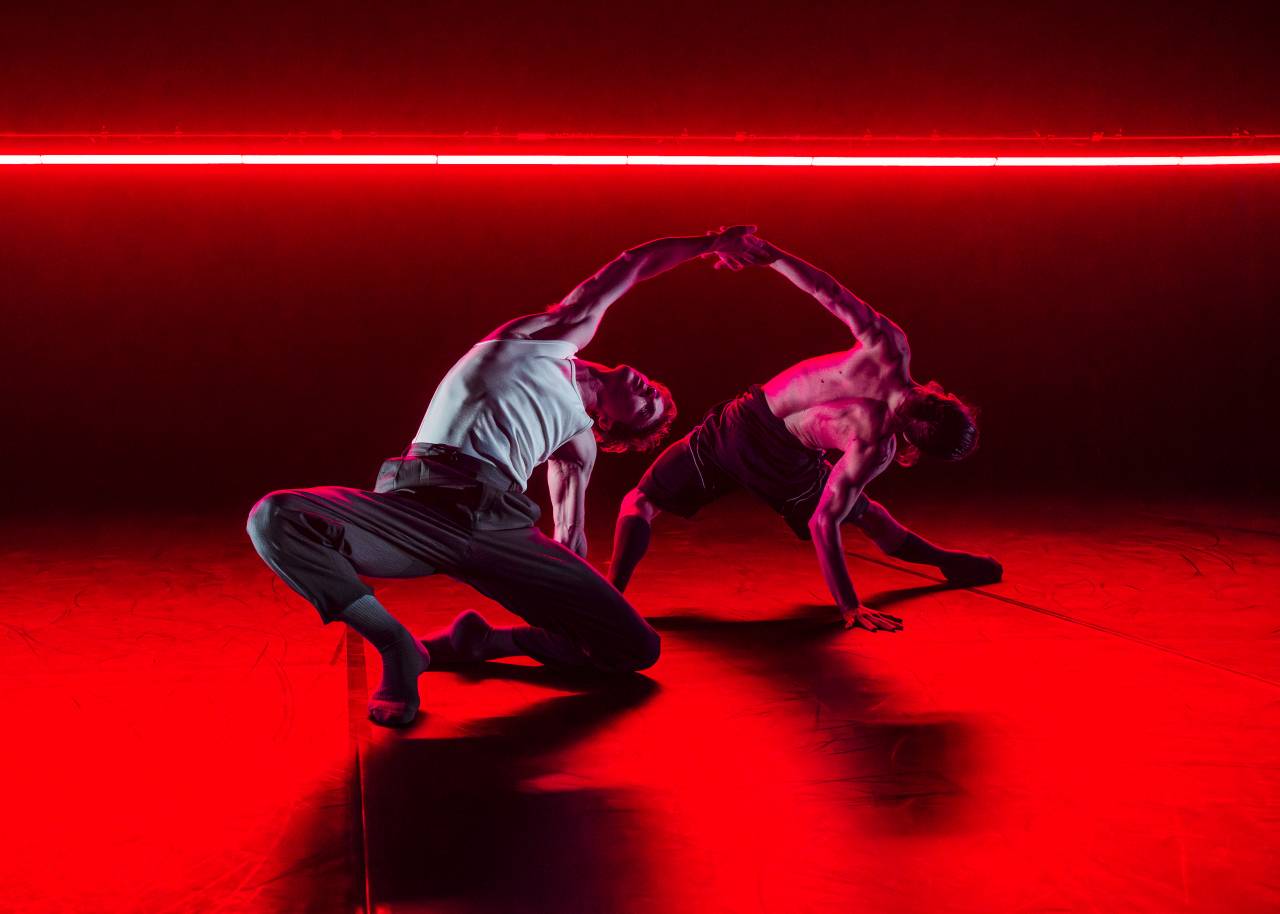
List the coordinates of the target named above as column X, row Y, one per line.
column 645, row 654
column 638, row 504
column 265, row 516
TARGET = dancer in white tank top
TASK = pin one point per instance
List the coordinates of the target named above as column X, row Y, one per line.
column 510, row 402
column 455, row 503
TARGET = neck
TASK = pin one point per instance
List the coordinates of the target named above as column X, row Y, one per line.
column 587, row 374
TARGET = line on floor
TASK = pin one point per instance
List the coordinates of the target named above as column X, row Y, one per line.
column 357, row 729
column 1063, row 617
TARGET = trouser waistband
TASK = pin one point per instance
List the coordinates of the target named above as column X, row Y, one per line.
column 480, row 470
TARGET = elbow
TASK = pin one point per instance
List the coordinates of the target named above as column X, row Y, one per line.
column 821, row 527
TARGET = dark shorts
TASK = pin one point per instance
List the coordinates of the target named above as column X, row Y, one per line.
column 742, row 444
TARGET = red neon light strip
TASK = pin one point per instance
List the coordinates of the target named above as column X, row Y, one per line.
column 1146, row 161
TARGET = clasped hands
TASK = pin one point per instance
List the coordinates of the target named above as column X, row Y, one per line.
column 737, row 246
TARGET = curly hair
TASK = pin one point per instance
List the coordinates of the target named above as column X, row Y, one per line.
column 618, row 437
column 936, row 424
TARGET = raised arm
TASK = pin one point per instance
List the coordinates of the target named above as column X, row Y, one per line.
column 850, row 474
column 577, row 317
column 869, row 326
column 568, row 473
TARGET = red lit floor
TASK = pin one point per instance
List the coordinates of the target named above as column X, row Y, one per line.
column 1098, row 733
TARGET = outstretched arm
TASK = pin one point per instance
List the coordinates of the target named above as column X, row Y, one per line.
column 568, row 473
column 577, row 317
column 849, row 475
column 869, row 326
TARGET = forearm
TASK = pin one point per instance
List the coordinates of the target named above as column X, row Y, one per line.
column 568, row 515
column 568, row 506
column 567, row 524
column 824, row 287
column 802, row 274
column 653, row 257
column 831, row 560
column 578, row 316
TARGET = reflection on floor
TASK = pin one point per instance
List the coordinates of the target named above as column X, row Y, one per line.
column 1097, row 733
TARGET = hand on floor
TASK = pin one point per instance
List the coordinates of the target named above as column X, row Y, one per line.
column 873, row 620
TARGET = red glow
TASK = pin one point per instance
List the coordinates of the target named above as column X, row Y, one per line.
column 113, row 159
column 719, row 160
column 1131, row 161
column 998, row 757
column 533, row 160
column 250, row 159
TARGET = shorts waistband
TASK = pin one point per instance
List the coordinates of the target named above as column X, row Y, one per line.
column 754, row 400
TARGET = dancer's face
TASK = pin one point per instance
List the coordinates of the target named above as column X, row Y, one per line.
column 629, row 397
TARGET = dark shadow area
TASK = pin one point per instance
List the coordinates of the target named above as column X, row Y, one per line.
column 464, row 819
column 563, row 679
column 887, row 598
column 910, row 769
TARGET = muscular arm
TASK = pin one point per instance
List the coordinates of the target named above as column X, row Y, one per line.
column 849, row 476
column 869, row 326
column 568, row 473
column 577, row 317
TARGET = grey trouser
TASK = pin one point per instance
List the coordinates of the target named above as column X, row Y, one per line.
column 320, row 541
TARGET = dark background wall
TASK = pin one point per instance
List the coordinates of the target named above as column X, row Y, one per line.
column 659, row 66
column 202, row 335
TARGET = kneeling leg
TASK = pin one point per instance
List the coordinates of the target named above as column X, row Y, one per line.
column 575, row 617
column 319, row 541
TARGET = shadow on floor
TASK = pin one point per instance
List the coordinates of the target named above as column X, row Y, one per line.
column 887, row 598
column 908, row 769
column 480, row 823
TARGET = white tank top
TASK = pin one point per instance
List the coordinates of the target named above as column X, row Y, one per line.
column 512, row 403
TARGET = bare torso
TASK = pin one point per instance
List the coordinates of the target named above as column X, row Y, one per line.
column 830, row 401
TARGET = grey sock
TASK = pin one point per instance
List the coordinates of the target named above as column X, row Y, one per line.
column 396, row 699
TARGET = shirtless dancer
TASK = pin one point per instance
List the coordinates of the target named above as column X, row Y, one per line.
column 773, row 439
column 455, row 502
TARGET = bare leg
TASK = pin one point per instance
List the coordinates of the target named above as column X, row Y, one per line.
column 964, row 569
